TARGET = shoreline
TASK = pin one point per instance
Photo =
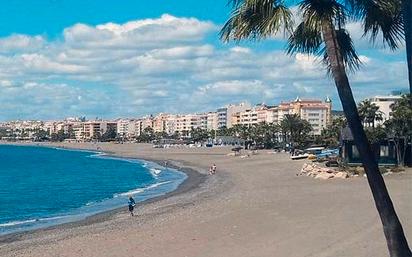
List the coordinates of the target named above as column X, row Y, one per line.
column 193, row 180
column 254, row 206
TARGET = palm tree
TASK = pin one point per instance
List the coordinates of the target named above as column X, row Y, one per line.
column 294, row 129
column 369, row 113
column 288, row 123
column 322, row 32
column 331, row 134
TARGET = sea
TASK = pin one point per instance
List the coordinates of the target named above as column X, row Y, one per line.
column 43, row 186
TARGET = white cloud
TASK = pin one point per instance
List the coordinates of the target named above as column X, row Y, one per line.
column 155, row 65
column 21, row 43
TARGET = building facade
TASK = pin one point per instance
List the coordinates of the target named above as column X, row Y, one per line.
column 316, row 112
column 225, row 114
column 385, row 105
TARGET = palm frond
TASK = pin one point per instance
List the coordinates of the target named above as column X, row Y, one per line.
column 347, row 50
column 256, row 19
column 305, row 39
column 380, row 16
column 316, row 11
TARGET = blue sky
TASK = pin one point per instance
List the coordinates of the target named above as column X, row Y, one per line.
column 50, row 17
column 129, row 58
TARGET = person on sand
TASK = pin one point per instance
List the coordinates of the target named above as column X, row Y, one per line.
column 214, row 168
column 132, row 204
column 210, row 170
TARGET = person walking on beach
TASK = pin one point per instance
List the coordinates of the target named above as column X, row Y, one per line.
column 132, row 204
column 214, row 168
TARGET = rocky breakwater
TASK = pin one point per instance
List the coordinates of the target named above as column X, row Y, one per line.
column 318, row 172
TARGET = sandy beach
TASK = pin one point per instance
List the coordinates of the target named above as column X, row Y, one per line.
column 253, row 206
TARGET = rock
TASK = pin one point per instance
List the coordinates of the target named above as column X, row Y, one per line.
column 230, row 154
column 359, row 170
column 327, row 170
column 341, row 175
column 324, row 175
column 308, row 167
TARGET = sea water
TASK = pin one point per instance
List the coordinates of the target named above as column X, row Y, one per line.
column 41, row 186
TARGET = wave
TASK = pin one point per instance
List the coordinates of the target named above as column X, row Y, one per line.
column 22, row 222
column 18, row 222
column 97, row 155
column 142, row 189
column 155, row 172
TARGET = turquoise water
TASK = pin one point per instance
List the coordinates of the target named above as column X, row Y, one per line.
column 42, row 186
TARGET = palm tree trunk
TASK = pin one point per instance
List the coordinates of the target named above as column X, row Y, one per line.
column 407, row 17
column 396, row 241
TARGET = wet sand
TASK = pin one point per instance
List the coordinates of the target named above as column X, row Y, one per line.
column 254, row 206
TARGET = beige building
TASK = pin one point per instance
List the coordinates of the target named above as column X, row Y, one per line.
column 160, row 122
column 143, row 123
column 126, row 128
column 53, row 127
column 258, row 114
column 185, row 123
column 316, row 112
column 212, row 121
column 92, row 129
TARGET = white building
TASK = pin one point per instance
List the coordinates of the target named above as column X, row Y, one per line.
column 384, row 103
column 224, row 114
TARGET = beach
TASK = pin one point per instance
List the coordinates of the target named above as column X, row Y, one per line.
column 254, row 206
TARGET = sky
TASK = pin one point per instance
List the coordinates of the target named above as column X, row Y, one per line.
column 129, row 58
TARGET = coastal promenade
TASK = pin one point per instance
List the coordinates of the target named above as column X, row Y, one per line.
column 254, row 206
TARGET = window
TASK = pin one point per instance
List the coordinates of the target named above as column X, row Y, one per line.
column 384, row 151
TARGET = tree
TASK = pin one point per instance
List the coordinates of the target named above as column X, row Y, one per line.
column 160, row 135
column 199, row 135
column 369, row 113
column 109, row 135
column 294, row 129
column 147, row 135
column 241, row 131
column 223, row 131
column 4, row 133
column 399, row 127
column 265, row 134
column 322, row 32
column 376, row 134
column 331, row 134
column 40, row 135
column 60, row 136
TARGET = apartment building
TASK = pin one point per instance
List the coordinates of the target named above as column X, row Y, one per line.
column 143, row 123
column 225, row 114
column 186, row 122
column 385, row 105
column 212, row 121
column 316, row 112
column 126, row 128
column 258, row 114
column 92, row 129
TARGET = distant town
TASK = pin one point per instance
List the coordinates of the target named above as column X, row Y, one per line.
column 318, row 113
